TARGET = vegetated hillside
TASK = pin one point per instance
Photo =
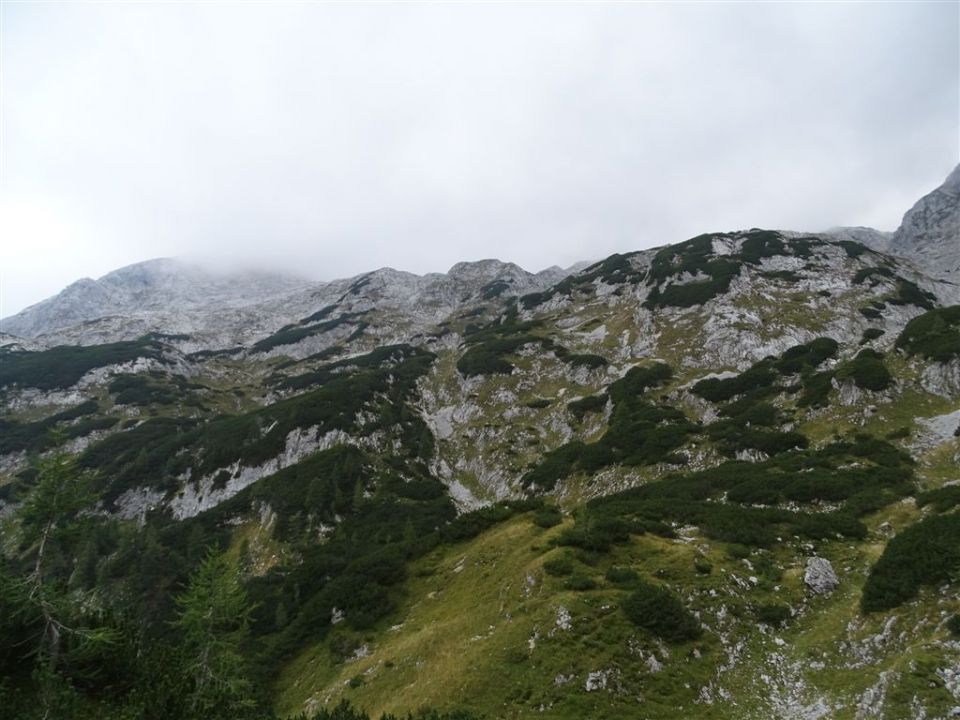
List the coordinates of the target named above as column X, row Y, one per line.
column 716, row 479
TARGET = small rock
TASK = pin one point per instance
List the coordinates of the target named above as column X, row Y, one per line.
column 563, row 618
column 654, row 665
column 596, row 681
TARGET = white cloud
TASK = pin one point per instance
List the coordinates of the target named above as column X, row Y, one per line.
column 334, row 138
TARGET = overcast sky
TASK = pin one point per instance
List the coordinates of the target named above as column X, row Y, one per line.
column 331, row 139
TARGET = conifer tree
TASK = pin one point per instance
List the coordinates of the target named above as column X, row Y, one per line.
column 214, row 617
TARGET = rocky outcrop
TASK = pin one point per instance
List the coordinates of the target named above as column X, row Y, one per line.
column 929, row 235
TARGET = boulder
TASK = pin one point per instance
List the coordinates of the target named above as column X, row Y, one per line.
column 819, row 576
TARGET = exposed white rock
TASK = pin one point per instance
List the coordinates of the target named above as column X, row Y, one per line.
column 938, row 429
column 942, row 378
column 596, row 681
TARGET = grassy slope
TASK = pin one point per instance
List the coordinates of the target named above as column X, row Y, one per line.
column 478, row 630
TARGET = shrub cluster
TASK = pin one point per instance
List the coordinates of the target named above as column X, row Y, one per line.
column 696, row 257
column 639, row 433
column 614, row 270
column 660, row 612
column 61, row 367
column 863, row 474
column 35, row 436
column 934, row 335
column 926, row 553
column 867, row 370
column 942, row 499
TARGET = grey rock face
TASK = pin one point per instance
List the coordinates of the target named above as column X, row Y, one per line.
column 819, row 576
column 153, row 287
column 929, row 235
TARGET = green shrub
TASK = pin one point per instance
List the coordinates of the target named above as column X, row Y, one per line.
column 926, row 553
column 591, row 403
column 660, row 612
column 853, row 249
column 935, row 335
column 538, row 403
column 773, row 614
column 873, row 274
column 867, row 370
column 36, row 436
column 639, row 432
column 144, row 390
column 908, row 293
column 721, row 389
column 61, row 367
column 816, row 390
column 547, row 516
column 559, row 566
column 579, row 583
column 584, row 360
column 760, row 244
column 694, row 256
column 596, row 533
column 494, row 289
column 292, row 334
column 489, row 346
column 953, row 625
column 942, row 499
column 638, row 380
column 622, row 575
column 806, row 356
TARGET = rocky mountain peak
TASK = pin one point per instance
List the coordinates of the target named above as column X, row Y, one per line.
column 929, row 235
column 485, row 269
column 152, row 286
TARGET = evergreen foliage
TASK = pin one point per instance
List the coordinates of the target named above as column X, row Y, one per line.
column 867, row 370
column 61, row 367
column 926, row 553
column 37, row 436
column 934, row 335
column 213, row 615
column 660, row 612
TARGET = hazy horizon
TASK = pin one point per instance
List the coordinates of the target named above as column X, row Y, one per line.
column 329, row 140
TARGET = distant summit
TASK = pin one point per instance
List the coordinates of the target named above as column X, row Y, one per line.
column 152, row 286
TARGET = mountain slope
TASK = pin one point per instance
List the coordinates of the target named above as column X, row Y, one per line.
column 713, row 479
